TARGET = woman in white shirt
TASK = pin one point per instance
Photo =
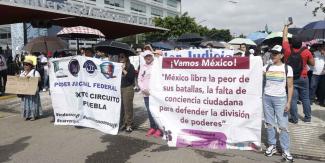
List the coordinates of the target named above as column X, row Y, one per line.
column 31, row 104
column 277, row 102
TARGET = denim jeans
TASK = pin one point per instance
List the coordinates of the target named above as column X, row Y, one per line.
column 275, row 116
column 45, row 81
column 301, row 91
column 315, row 85
column 151, row 120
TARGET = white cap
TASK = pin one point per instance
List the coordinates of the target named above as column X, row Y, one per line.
column 251, row 51
column 147, row 52
column 276, row 49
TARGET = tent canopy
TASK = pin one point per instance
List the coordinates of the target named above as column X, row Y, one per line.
column 17, row 13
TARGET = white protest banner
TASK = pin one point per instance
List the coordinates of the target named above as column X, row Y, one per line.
column 199, row 53
column 86, row 92
column 211, row 103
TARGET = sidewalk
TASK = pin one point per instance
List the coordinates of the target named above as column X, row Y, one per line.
column 308, row 139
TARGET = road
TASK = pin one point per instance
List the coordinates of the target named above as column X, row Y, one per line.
column 42, row 142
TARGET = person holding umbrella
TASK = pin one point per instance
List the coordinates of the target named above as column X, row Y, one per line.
column 127, row 92
column 318, row 75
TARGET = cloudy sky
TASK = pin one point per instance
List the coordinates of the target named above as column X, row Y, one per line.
column 248, row 16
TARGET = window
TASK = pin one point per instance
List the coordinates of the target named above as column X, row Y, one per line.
column 157, row 12
column 172, row 3
column 5, row 35
column 159, row 1
column 138, row 7
column 172, row 14
column 116, row 3
column 92, row 0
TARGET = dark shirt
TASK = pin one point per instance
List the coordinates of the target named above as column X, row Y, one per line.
column 128, row 79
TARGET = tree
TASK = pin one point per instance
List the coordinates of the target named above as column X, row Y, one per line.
column 179, row 25
column 219, row 34
column 319, row 6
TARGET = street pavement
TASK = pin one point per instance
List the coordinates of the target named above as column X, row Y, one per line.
column 42, row 142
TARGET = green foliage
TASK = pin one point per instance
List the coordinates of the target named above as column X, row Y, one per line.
column 320, row 6
column 179, row 25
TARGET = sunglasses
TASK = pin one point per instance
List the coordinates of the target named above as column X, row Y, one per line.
column 27, row 64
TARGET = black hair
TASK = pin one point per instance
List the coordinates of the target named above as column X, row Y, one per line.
column 296, row 42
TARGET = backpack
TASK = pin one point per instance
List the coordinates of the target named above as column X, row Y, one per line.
column 296, row 62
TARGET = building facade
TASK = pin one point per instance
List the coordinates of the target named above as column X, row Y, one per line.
column 143, row 8
column 138, row 8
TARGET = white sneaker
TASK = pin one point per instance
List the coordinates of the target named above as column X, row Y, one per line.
column 287, row 156
column 44, row 90
column 270, row 151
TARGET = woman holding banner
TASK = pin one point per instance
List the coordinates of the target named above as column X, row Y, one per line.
column 143, row 81
column 127, row 93
column 31, row 104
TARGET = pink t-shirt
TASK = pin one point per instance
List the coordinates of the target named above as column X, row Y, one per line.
column 144, row 77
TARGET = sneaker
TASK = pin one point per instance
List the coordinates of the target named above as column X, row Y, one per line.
column 270, row 151
column 150, row 131
column 157, row 134
column 307, row 120
column 44, row 90
column 287, row 156
column 293, row 121
column 128, row 129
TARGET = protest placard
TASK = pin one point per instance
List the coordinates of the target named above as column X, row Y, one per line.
column 21, row 85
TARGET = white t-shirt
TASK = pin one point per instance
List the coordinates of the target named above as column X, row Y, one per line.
column 319, row 64
column 275, row 77
column 30, row 74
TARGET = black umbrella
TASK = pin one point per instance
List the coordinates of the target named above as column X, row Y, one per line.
column 190, row 37
column 163, row 45
column 314, row 30
column 114, row 48
column 213, row 44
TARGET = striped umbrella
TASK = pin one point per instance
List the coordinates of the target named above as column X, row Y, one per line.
column 80, row 32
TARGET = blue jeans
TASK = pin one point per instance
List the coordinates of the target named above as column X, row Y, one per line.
column 45, row 81
column 151, row 120
column 301, row 91
column 314, row 84
column 276, row 117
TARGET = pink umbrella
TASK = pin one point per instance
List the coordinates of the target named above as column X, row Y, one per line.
column 80, row 32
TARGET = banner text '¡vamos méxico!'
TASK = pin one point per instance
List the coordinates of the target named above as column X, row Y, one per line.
column 206, row 63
